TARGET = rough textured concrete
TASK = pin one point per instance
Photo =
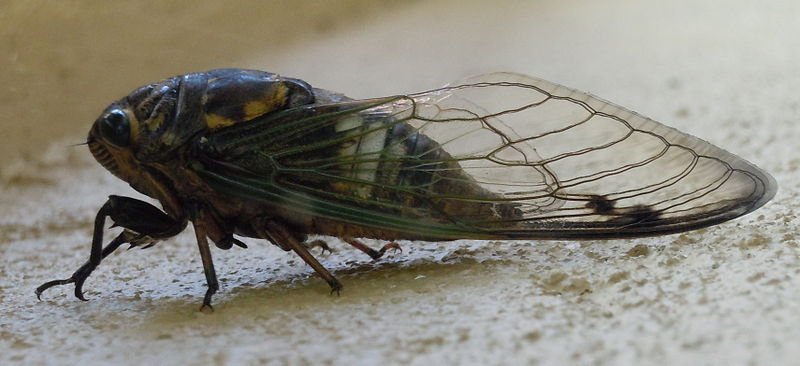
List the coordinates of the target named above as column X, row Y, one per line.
column 723, row 70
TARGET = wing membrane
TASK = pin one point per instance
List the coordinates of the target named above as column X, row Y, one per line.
column 497, row 156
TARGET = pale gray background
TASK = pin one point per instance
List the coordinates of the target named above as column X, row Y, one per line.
column 725, row 70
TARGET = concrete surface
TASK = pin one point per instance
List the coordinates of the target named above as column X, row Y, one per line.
column 724, row 70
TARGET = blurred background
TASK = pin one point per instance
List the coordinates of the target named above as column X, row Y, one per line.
column 64, row 61
column 723, row 70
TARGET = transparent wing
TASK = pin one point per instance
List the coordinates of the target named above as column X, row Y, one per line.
column 500, row 155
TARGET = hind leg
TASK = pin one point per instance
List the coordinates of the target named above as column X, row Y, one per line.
column 375, row 254
column 285, row 238
column 318, row 244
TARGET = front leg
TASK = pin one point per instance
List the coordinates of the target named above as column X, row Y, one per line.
column 141, row 221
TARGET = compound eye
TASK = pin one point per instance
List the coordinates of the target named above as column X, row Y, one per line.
column 115, row 128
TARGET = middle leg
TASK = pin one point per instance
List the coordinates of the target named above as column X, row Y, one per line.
column 284, row 238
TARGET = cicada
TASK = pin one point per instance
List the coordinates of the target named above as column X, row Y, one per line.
column 244, row 153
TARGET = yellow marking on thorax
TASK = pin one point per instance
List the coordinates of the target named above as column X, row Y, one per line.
column 217, row 121
column 255, row 108
column 274, row 98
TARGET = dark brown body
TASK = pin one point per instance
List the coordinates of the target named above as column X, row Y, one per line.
column 252, row 154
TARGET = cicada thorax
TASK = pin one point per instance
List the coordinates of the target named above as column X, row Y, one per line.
column 171, row 113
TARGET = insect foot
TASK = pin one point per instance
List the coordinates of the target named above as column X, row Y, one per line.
column 319, row 244
column 336, row 286
column 80, row 276
column 374, row 254
column 212, row 289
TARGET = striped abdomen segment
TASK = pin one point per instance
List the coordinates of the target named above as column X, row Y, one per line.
column 391, row 166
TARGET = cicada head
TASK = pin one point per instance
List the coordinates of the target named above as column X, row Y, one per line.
column 111, row 140
column 119, row 133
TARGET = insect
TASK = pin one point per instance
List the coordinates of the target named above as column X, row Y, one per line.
column 244, row 153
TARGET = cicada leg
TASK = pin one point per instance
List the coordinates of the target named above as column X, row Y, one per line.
column 80, row 276
column 205, row 256
column 143, row 223
column 283, row 237
column 318, row 244
column 375, row 254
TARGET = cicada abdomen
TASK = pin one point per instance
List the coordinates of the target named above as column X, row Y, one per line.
column 387, row 163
